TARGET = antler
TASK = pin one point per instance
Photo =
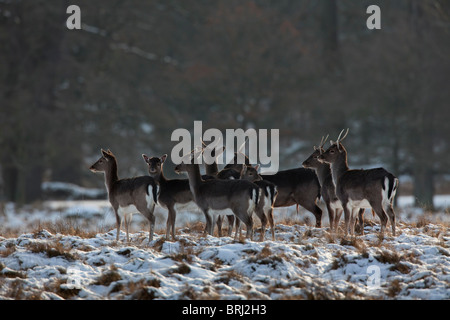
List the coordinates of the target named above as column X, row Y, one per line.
column 322, row 142
column 211, row 145
column 194, row 154
column 240, row 149
column 339, row 139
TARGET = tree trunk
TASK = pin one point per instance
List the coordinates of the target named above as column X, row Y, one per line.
column 423, row 154
column 423, row 187
column 329, row 26
column 29, row 102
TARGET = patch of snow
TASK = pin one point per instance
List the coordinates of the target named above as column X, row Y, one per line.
column 303, row 262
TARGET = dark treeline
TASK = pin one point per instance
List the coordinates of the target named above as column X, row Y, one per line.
column 140, row 69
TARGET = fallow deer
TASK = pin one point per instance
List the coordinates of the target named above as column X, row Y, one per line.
column 264, row 209
column 221, row 197
column 372, row 188
column 127, row 196
column 327, row 188
column 175, row 194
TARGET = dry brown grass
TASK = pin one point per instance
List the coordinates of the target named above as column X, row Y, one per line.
column 394, row 288
column 392, row 257
column 67, row 227
column 62, row 291
column 52, row 249
column 181, row 268
column 108, row 276
column 19, row 291
column 10, row 249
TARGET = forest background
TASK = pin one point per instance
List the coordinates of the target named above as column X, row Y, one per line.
column 137, row 70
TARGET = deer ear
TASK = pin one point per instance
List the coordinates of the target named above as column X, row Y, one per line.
column 107, row 155
column 145, row 158
column 163, row 158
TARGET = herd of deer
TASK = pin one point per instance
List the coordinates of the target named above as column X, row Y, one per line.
column 238, row 191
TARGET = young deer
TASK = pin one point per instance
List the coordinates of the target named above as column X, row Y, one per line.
column 212, row 172
column 327, row 188
column 264, row 209
column 174, row 193
column 298, row 186
column 373, row 188
column 127, row 196
column 221, row 197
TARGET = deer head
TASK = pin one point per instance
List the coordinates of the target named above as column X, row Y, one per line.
column 105, row 162
column 154, row 164
column 250, row 173
column 188, row 160
column 313, row 160
column 335, row 150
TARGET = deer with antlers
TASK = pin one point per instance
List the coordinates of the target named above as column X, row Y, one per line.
column 327, row 187
column 372, row 188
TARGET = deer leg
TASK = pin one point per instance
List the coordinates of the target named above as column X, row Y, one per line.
column 230, row 224
column 170, row 227
column 331, row 216
column 219, row 225
column 347, row 217
column 337, row 218
column 378, row 208
column 249, row 224
column 246, row 217
column 353, row 220
column 263, row 219
column 361, row 220
column 118, row 223
column 148, row 213
column 270, row 218
column 152, row 227
column 259, row 210
column 209, row 223
column 151, row 219
column 125, row 216
column 312, row 207
column 237, row 229
column 250, row 229
column 391, row 214
column 214, row 220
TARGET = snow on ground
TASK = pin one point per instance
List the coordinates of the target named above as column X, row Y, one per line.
column 68, row 250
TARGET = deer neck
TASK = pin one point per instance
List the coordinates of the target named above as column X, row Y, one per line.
column 323, row 172
column 212, row 169
column 159, row 177
column 111, row 176
column 195, row 179
column 339, row 167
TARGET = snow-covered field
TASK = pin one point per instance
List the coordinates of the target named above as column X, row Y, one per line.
column 67, row 250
